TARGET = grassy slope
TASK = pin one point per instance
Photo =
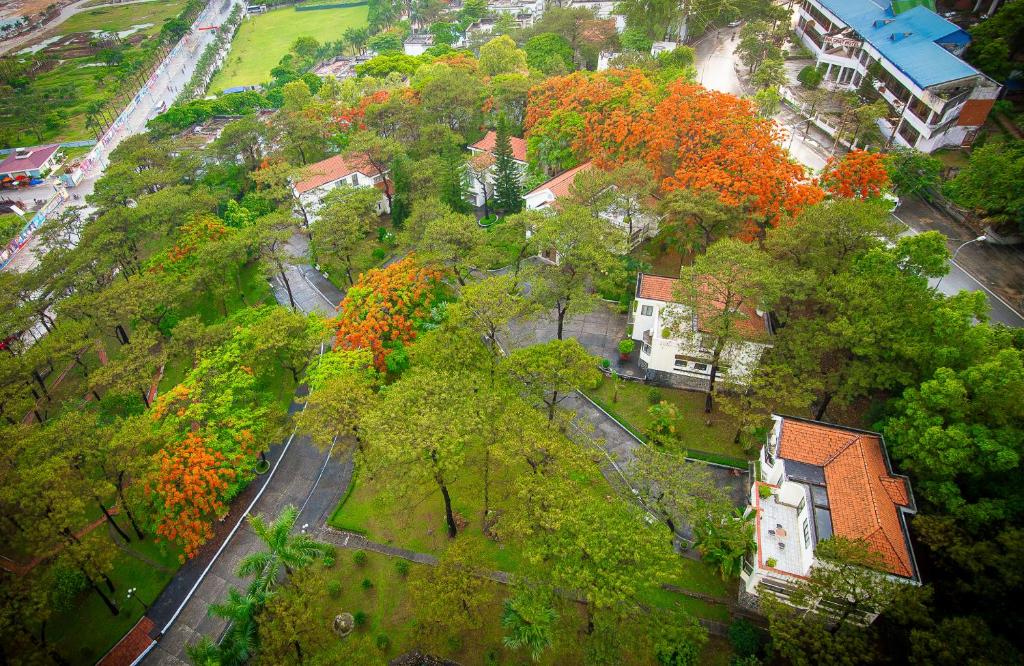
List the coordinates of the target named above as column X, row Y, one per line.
column 10, row 225
column 634, row 401
column 262, row 40
column 123, row 17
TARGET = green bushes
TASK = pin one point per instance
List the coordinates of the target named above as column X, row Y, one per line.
column 360, row 558
column 180, row 116
column 811, row 76
column 402, row 567
column 334, row 588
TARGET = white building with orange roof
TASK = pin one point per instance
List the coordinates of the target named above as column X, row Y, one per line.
column 546, row 196
column 682, row 358
column 486, row 146
column 322, row 177
column 820, row 481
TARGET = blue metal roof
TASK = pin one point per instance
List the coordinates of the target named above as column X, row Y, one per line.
column 910, row 40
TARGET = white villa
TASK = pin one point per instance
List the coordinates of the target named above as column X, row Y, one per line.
column 820, row 480
column 525, row 12
column 680, row 360
column 328, row 174
column 936, row 98
column 546, row 196
column 487, row 145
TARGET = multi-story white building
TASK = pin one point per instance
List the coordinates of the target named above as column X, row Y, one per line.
column 937, row 99
column 333, row 172
column 818, row 481
column 525, row 12
column 672, row 357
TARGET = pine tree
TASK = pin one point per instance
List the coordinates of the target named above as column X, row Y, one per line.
column 402, row 200
column 508, row 195
column 453, row 185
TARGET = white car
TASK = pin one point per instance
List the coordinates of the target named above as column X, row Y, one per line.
column 735, row 24
column 894, row 201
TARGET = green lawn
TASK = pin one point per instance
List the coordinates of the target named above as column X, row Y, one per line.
column 416, row 522
column 389, row 610
column 262, row 40
column 10, row 225
column 84, row 642
column 635, row 399
column 115, row 19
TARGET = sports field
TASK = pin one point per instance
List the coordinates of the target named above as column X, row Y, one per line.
column 262, row 40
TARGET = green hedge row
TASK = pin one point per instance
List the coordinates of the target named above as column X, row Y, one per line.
column 336, row 5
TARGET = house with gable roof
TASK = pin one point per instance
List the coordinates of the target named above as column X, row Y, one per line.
column 683, row 359
column 546, row 196
column 324, row 176
column 913, row 57
column 821, row 481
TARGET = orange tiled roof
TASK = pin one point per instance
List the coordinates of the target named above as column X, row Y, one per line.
column 131, row 647
column 332, row 169
column 864, row 496
column 490, row 140
column 659, row 288
column 560, row 184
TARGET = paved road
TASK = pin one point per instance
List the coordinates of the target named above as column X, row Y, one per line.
column 175, row 72
column 717, row 64
column 997, row 271
column 301, row 475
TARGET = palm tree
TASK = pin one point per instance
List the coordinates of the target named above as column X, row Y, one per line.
column 239, row 643
column 725, row 542
column 204, row 653
column 284, row 550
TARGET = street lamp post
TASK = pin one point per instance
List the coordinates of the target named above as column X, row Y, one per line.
column 131, row 594
column 957, row 251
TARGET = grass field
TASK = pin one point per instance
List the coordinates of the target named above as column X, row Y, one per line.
column 634, row 401
column 262, row 40
column 10, row 225
column 113, row 19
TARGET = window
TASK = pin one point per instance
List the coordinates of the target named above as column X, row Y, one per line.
column 807, row 533
column 703, row 367
column 646, row 310
column 680, row 363
column 646, row 349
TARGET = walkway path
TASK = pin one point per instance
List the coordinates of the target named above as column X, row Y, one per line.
column 301, row 475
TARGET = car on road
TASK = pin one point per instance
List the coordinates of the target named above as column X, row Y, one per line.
column 735, row 24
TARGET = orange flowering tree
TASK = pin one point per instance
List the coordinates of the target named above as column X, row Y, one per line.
column 689, row 138
column 188, row 487
column 386, row 307
column 858, row 175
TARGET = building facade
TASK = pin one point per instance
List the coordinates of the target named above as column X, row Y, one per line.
column 483, row 190
column 912, row 57
column 334, row 172
column 672, row 356
column 819, row 481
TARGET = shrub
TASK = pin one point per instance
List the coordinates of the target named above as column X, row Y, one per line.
column 402, row 567
column 771, row 562
column 328, row 560
column 379, row 254
column 334, row 588
column 359, row 618
column 367, row 584
column 626, row 346
column 653, row 396
column 810, row 77
column 744, row 638
column 605, row 363
column 383, row 642
column 764, row 491
column 360, row 558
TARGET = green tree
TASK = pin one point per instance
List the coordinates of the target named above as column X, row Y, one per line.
column 453, row 240
column 549, row 53
column 824, row 621
column 725, row 540
column 501, row 56
column 585, row 251
column 655, row 19
column 624, row 194
column 422, row 432
column 241, row 642
column 989, row 182
column 719, row 290
column 508, row 190
column 551, row 371
column 997, row 41
column 379, row 152
column 683, row 492
column 489, row 307
column 284, row 550
column 450, row 597
column 341, row 225
column 914, row 173
column 401, row 201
